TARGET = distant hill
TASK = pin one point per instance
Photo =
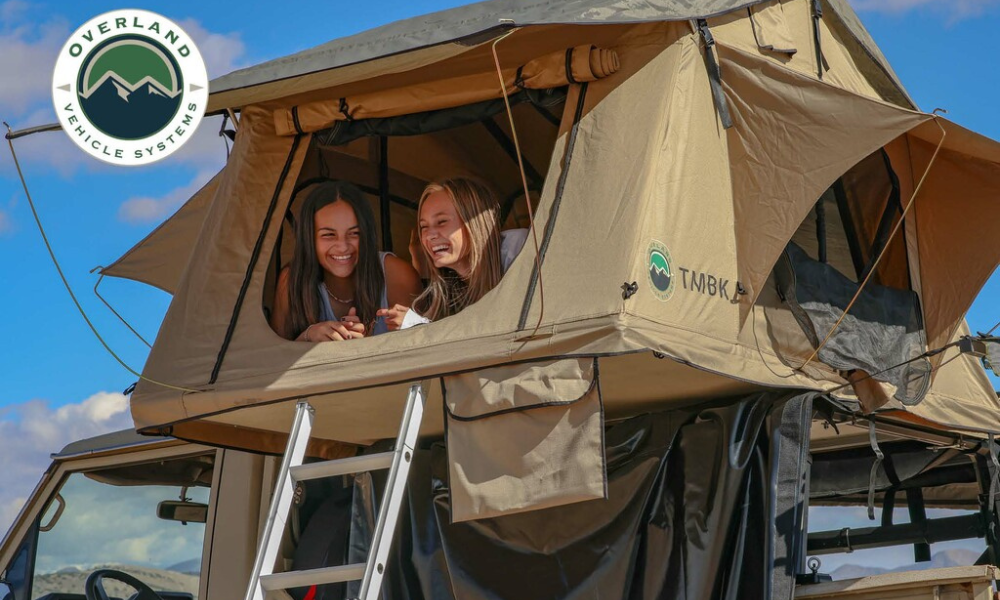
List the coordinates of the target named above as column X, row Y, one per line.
column 71, row 580
column 957, row 557
column 191, row 567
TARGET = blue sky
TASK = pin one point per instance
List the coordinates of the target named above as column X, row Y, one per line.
column 50, row 362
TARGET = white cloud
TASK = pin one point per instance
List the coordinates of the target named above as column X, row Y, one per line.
column 223, row 52
column 12, row 10
column 31, row 431
column 955, row 10
column 29, row 53
column 143, row 209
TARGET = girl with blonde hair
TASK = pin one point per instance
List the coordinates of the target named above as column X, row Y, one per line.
column 461, row 242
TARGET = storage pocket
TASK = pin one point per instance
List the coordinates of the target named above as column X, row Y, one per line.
column 524, row 437
column 770, row 29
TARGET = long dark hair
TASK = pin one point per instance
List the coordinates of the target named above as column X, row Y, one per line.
column 305, row 272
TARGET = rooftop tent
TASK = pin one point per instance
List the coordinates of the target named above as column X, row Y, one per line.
column 627, row 163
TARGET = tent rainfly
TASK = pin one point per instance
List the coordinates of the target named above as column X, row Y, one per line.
column 711, row 182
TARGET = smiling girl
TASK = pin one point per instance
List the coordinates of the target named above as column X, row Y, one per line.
column 460, row 237
column 338, row 280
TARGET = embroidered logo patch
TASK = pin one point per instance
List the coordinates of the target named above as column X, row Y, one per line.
column 661, row 274
column 130, row 87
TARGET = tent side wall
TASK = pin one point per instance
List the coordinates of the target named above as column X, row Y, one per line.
column 641, row 159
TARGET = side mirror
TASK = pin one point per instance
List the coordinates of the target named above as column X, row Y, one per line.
column 6, row 593
column 181, row 510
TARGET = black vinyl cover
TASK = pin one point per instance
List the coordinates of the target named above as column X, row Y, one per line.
column 703, row 503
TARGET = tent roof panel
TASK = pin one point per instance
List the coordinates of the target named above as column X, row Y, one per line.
column 471, row 24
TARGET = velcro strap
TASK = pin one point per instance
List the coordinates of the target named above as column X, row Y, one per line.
column 715, row 75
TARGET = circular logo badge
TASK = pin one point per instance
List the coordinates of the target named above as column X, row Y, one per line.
column 661, row 274
column 130, row 87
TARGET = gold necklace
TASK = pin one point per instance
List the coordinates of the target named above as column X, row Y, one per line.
column 334, row 296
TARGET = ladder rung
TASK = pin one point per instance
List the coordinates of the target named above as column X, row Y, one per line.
column 294, row 579
column 342, row 466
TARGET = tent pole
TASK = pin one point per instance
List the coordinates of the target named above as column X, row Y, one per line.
column 850, row 231
column 821, row 230
column 501, row 138
column 383, row 193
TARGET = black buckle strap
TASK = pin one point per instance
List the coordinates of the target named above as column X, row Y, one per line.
column 715, row 75
column 569, row 66
column 519, row 78
column 821, row 65
column 345, row 109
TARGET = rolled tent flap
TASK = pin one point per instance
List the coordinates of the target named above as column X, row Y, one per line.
column 161, row 257
column 574, row 65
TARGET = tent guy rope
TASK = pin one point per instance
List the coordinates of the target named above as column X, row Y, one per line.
column 65, row 282
column 524, row 183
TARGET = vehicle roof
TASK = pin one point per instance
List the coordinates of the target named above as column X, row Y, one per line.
column 108, row 442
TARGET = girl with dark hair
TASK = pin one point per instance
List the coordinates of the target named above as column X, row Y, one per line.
column 338, row 280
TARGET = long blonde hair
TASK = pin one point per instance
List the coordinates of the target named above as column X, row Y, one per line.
column 478, row 208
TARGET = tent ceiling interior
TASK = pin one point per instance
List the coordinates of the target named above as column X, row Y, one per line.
column 634, row 156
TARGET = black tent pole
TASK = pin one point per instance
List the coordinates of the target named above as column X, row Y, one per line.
column 383, row 193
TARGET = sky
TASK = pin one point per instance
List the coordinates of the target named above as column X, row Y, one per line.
column 60, row 385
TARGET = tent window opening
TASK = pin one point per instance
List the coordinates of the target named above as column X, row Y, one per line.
column 392, row 160
column 851, row 223
column 818, row 276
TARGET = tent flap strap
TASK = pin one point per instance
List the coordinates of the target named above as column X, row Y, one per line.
column 715, row 74
column 821, row 65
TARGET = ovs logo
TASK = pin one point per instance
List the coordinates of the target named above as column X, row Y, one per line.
column 130, row 87
column 661, row 275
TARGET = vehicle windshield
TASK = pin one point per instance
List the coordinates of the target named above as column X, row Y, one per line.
column 110, row 521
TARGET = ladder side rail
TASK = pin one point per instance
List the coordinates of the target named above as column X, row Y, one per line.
column 281, row 500
column 395, row 490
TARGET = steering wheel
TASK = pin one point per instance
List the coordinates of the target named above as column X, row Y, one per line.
column 94, row 588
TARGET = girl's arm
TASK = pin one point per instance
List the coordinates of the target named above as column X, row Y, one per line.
column 402, row 287
column 401, row 282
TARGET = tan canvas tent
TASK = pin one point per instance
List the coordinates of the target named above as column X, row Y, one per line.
column 708, row 133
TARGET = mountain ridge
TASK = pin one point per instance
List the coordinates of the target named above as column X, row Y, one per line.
column 121, row 83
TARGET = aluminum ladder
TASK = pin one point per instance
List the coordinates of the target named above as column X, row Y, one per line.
column 263, row 579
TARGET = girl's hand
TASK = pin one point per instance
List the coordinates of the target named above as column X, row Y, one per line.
column 351, row 317
column 393, row 316
column 333, row 331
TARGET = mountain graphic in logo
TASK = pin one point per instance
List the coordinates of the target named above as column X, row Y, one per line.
column 130, row 87
column 659, row 270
